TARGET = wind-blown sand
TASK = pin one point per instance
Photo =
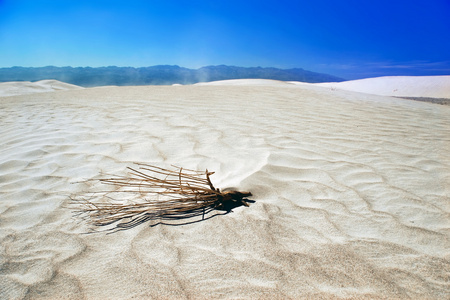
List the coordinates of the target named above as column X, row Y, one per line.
column 26, row 87
column 399, row 86
column 351, row 193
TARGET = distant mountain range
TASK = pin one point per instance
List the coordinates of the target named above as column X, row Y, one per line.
column 157, row 75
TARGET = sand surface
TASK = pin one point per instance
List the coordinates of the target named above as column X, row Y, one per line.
column 351, row 193
column 399, row 86
column 26, row 87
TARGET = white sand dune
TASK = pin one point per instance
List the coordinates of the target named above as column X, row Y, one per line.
column 351, row 194
column 400, row 86
column 26, row 87
column 246, row 82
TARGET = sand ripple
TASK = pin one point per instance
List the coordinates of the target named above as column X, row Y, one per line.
column 351, row 194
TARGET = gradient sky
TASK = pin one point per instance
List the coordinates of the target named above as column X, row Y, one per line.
column 347, row 38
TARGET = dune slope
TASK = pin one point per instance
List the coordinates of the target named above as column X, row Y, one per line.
column 351, row 194
column 26, row 87
column 399, row 86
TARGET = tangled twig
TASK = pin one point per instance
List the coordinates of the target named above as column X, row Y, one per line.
column 155, row 193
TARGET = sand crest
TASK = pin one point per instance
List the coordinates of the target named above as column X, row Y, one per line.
column 26, row 87
column 351, row 194
column 399, row 86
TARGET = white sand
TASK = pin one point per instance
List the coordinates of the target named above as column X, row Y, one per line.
column 246, row 82
column 400, row 86
column 26, row 87
column 351, row 190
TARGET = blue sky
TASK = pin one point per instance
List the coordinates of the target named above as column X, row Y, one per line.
column 348, row 38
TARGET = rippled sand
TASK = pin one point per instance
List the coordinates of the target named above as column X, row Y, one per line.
column 351, row 194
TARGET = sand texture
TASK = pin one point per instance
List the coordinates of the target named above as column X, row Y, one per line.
column 351, row 193
column 26, row 87
column 399, row 86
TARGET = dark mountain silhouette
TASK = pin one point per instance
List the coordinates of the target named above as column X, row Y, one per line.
column 157, row 75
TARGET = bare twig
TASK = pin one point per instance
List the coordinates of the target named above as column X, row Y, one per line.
column 155, row 193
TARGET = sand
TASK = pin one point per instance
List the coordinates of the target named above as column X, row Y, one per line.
column 399, row 86
column 26, row 87
column 351, row 193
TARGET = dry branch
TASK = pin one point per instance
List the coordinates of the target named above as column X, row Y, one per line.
column 154, row 193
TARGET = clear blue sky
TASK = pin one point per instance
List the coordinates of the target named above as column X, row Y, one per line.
column 347, row 38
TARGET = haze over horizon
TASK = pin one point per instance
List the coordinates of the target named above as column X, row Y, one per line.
column 349, row 39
